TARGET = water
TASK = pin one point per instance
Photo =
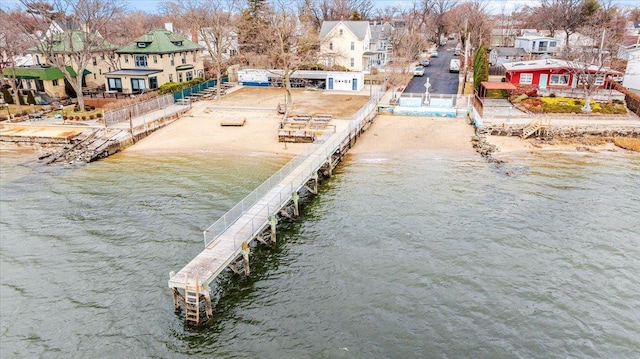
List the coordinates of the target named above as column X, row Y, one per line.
column 420, row 255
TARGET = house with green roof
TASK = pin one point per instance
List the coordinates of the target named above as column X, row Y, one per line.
column 42, row 78
column 101, row 53
column 158, row 57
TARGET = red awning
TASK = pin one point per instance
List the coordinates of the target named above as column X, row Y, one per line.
column 498, row 85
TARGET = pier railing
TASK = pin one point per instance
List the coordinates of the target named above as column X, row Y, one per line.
column 138, row 109
column 310, row 160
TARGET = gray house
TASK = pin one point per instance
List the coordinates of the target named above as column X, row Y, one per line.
column 501, row 55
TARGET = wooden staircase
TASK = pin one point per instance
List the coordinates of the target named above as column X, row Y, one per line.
column 534, row 126
column 192, row 302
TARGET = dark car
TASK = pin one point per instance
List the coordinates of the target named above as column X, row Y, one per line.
column 425, row 62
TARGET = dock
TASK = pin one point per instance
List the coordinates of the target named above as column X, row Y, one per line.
column 227, row 242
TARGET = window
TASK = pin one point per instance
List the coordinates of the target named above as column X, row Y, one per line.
column 526, row 79
column 559, row 80
column 102, row 57
column 184, row 58
column 137, row 85
column 155, row 59
column 353, row 62
column 170, row 77
column 94, row 61
column 54, row 82
column 353, row 45
column 153, row 82
column 115, row 84
column 189, row 75
column 142, row 44
column 179, row 76
column 126, row 59
column 141, row 61
column 552, row 44
column 331, row 46
column 172, row 62
column 340, row 32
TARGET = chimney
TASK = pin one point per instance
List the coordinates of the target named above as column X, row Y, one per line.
column 168, row 26
column 194, row 34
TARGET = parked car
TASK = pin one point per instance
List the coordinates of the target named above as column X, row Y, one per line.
column 433, row 53
column 454, row 65
column 418, row 71
column 425, row 62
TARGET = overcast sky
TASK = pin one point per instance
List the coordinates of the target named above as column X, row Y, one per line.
column 494, row 6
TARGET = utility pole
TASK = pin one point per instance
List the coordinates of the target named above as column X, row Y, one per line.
column 466, row 52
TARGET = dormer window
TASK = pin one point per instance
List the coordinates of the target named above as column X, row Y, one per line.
column 142, row 44
column 177, row 43
column 340, row 32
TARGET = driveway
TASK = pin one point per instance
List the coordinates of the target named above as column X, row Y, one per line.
column 441, row 80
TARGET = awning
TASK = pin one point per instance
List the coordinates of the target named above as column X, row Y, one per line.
column 498, row 85
column 184, row 67
column 132, row 72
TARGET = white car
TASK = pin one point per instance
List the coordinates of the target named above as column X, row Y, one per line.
column 418, row 71
column 454, row 65
column 433, row 53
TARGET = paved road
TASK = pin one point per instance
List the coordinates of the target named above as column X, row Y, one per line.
column 442, row 82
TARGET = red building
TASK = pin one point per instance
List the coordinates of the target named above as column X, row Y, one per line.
column 554, row 74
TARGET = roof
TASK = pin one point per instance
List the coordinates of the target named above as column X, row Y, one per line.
column 510, row 51
column 498, row 85
column 159, row 42
column 549, row 64
column 533, row 36
column 133, row 72
column 38, row 72
column 73, row 41
column 358, row 28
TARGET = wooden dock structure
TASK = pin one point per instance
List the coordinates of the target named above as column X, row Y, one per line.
column 255, row 218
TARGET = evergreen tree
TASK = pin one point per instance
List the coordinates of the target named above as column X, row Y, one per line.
column 480, row 66
column 252, row 22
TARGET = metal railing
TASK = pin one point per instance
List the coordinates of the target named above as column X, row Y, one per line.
column 138, row 109
column 279, row 188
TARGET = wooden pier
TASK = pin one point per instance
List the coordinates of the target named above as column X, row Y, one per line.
column 255, row 218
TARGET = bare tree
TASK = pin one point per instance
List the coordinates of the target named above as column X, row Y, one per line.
column 74, row 49
column 289, row 46
column 13, row 44
column 214, row 23
column 591, row 54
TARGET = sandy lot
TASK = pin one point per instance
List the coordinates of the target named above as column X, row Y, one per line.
column 390, row 133
column 200, row 129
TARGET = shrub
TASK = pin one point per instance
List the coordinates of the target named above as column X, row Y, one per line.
column 552, row 95
column 532, row 93
column 92, row 116
column 84, row 117
column 99, row 114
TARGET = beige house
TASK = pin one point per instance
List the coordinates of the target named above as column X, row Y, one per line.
column 156, row 58
column 74, row 41
column 347, row 44
column 43, row 79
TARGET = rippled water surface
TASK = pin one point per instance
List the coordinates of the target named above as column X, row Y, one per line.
column 419, row 255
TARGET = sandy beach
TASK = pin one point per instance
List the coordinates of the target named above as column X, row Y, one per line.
column 200, row 129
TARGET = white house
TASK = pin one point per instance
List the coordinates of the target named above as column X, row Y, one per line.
column 534, row 43
column 347, row 44
column 632, row 75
